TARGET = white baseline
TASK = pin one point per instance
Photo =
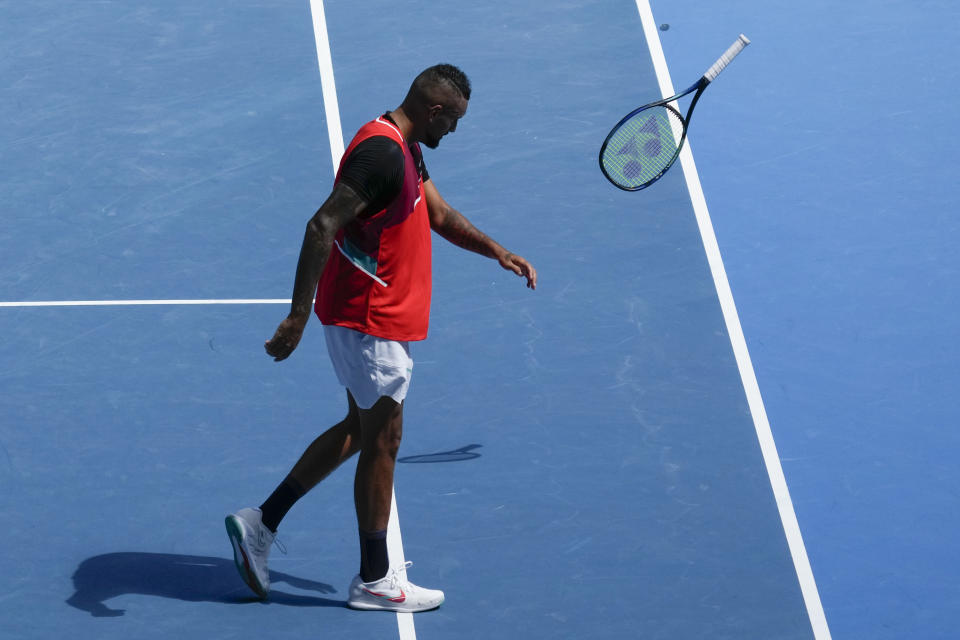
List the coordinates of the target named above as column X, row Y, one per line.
column 135, row 303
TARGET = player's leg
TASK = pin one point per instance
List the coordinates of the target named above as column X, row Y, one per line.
column 379, row 586
column 321, row 458
column 381, row 431
column 252, row 531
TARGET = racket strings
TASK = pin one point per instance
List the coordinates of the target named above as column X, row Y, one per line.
column 643, row 147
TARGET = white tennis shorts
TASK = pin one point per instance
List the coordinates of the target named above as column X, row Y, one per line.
column 368, row 366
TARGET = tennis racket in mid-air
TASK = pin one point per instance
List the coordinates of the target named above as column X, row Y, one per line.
column 647, row 141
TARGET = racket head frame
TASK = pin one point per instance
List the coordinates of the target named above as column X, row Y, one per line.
column 732, row 52
column 698, row 86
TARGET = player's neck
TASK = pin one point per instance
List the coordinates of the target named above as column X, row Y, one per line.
column 403, row 122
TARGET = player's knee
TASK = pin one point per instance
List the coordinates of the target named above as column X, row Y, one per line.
column 386, row 441
column 392, row 446
column 382, row 428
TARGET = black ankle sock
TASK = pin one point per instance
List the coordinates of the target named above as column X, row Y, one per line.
column 374, row 562
column 279, row 502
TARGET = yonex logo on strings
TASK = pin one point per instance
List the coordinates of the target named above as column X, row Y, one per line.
column 645, row 143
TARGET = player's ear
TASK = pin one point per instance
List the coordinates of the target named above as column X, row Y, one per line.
column 434, row 111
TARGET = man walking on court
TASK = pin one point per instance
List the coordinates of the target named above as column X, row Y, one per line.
column 366, row 254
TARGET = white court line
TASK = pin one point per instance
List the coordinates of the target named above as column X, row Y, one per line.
column 325, row 61
column 134, row 303
column 335, row 133
column 788, row 517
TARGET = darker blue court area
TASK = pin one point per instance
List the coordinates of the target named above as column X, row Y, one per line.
column 578, row 462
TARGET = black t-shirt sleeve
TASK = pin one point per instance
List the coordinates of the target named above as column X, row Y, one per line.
column 374, row 169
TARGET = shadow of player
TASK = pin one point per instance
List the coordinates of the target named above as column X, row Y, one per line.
column 189, row 578
column 457, row 455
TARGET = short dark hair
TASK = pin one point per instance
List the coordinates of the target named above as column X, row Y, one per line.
column 448, row 74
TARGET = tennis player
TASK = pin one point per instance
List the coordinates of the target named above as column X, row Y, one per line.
column 367, row 256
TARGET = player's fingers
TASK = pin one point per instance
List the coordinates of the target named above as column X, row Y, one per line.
column 531, row 274
column 270, row 348
column 522, row 268
column 278, row 348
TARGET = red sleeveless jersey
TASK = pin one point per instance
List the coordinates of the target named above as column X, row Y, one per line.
column 378, row 277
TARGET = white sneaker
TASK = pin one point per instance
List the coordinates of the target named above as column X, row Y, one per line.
column 251, row 546
column 393, row 593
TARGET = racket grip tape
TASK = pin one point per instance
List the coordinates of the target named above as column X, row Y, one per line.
column 731, row 53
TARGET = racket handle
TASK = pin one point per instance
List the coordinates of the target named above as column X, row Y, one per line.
column 726, row 58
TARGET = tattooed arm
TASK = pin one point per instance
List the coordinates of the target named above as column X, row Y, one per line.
column 341, row 207
column 454, row 226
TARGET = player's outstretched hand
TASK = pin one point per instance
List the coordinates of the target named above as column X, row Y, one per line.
column 519, row 265
column 286, row 339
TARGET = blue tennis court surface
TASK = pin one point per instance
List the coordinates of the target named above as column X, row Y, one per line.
column 578, row 462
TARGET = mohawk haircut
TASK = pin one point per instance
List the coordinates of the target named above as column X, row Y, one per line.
column 445, row 74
